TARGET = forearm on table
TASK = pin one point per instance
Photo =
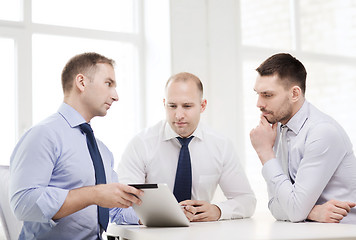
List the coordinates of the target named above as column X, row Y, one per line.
column 285, row 201
column 242, row 206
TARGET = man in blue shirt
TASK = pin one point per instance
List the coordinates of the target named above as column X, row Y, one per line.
column 52, row 184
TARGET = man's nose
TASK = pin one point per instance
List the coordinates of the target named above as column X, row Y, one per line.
column 115, row 96
column 260, row 102
column 179, row 113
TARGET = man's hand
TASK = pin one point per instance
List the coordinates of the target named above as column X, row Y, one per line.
column 189, row 211
column 262, row 139
column 333, row 211
column 117, row 195
column 105, row 195
column 200, row 211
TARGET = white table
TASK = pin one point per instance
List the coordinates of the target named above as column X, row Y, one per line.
column 257, row 227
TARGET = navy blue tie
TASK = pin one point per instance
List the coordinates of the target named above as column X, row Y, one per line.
column 183, row 182
column 100, row 178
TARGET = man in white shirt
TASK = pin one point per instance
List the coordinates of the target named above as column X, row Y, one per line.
column 308, row 161
column 152, row 156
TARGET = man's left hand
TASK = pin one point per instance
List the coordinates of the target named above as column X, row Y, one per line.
column 203, row 210
column 333, row 211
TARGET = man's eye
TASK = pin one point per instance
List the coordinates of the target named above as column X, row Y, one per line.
column 108, row 84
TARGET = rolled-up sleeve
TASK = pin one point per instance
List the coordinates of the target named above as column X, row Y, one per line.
column 31, row 166
column 123, row 216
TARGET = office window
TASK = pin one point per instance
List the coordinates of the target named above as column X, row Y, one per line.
column 104, row 15
column 328, row 27
column 266, row 23
column 10, row 10
column 41, row 46
column 7, row 99
column 322, row 34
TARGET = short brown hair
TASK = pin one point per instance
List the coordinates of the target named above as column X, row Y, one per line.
column 84, row 63
column 185, row 76
column 288, row 68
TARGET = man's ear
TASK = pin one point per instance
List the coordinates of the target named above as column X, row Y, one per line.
column 164, row 102
column 203, row 104
column 79, row 82
column 296, row 93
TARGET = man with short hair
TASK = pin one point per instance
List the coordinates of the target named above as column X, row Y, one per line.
column 189, row 157
column 62, row 179
column 308, row 161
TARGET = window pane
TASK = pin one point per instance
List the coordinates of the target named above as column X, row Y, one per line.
column 266, row 23
column 7, row 100
column 109, row 15
column 10, row 10
column 332, row 89
column 328, row 26
column 48, row 62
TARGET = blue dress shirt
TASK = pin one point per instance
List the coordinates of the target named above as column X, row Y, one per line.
column 48, row 161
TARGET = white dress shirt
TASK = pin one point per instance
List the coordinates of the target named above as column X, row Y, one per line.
column 152, row 157
column 322, row 166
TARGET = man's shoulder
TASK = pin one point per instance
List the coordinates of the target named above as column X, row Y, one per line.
column 44, row 133
column 152, row 131
column 211, row 132
column 324, row 125
column 212, row 135
column 50, row 123
column 318, row 118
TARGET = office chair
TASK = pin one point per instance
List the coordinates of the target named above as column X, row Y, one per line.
column 12, row 226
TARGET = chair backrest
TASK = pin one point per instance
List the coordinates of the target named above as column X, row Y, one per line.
column 12, row 226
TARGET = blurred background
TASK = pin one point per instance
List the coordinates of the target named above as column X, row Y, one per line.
column 222, row 42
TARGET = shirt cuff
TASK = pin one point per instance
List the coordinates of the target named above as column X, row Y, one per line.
column 225, row 213
column 122, row 216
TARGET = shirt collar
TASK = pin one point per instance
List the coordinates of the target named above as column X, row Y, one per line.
column 169, row 133
column 297, row 121
column 69, row 114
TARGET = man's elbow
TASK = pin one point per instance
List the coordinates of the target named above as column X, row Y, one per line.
column 249, row 206
column 251, row 210
column 290, row 216
column 22, row 208
column 18, row 212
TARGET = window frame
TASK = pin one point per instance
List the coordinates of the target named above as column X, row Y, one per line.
column 21, row 32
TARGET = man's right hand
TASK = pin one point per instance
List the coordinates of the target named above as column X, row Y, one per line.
column 262, row 139
column 105, row 195
column 333, row 211
column 117, row 195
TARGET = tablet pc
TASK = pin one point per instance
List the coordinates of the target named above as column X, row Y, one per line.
column 159, row 207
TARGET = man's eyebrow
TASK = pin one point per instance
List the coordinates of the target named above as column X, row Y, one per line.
column 264, row 92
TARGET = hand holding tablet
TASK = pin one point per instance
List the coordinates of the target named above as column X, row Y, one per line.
column 159, row 207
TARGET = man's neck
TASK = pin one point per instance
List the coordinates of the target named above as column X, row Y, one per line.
column 76, row 104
